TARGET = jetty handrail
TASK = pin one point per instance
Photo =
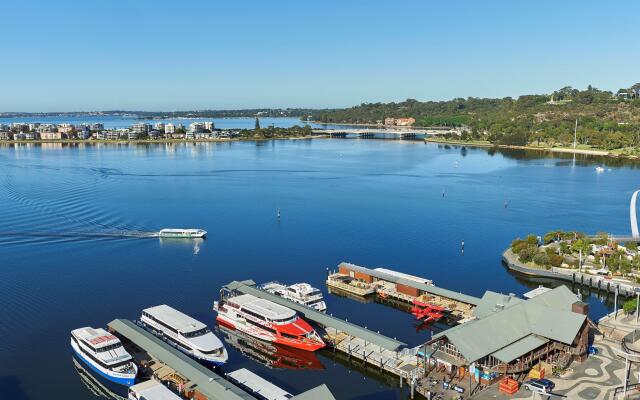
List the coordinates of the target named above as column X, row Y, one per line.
column 631, row 337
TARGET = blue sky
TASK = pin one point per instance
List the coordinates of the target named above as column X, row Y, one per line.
column 179, row 55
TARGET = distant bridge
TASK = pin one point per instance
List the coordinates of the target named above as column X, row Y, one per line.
column 373, row 132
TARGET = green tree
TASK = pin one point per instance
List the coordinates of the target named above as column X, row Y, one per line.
column 629, row 306
column 257, row 127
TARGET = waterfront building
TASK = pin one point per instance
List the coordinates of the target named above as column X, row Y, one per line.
column 133, row 135
column 5, row 135
column 154, row 134
column 4, row 127
column 189, row 135
column 141, row 128
column 97, row 127
column 159, row 126
column 26, row 136
column 399, row 121
column 51, row 135
column 33, row 126
column 19, row 127
column 510, row 335
column 209, row 125
column 66, row 128
column 108, row 135
column 196, row 127
column 169, row 128
column 85, row 134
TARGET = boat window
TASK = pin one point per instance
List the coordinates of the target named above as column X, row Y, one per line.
column 108, row 348
column 314, row 293
column 162, row 323
column 214, row 351
column 197, row 333
column 288, row 335
column 266, row 328
column 253, row 314
column 292, row 290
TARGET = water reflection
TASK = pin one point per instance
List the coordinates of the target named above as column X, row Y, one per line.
column 96, row 385
column 196, row 243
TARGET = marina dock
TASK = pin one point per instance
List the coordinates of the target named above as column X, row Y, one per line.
column 197, row 381
column 373, row 348
column 391, row 285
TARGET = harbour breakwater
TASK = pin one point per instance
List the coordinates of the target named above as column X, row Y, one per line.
column 597, row 282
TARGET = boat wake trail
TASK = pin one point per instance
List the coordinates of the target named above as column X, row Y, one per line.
column 81, row 234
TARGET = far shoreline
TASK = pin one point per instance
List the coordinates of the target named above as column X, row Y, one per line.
column 566, row 150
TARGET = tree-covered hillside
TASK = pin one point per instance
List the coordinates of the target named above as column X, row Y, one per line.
column 605, row 120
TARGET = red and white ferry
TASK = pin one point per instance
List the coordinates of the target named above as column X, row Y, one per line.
column 267, row 321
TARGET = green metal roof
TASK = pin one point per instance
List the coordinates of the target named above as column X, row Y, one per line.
column 321, row 392
column 450, row 294
column 522, row 346
column 248, row 287
column 208, row 382
column 501, row 329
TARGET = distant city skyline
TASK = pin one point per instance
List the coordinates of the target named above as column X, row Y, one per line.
column 194, row 55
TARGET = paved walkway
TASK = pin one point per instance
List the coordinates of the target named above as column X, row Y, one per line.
column 594, row 379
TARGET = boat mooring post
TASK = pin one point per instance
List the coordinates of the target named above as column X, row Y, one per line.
column 615, row 304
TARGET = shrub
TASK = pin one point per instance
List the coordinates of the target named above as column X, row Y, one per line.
column 556, row 260
column 541, row 259
column 525, row 255
column 629, row 306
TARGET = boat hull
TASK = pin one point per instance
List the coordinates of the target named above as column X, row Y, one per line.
column 266, row 336
column 111, row 376
column 209, row 362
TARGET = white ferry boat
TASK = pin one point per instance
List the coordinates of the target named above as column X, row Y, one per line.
column 188, row 335
column 301, row 293
column 104, row 354
column 177, row 233
column 268, row 321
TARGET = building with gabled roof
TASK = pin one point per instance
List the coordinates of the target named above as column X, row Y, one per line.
column 510, row 335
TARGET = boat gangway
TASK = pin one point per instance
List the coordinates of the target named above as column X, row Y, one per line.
column 357, row 342
column 206, row 383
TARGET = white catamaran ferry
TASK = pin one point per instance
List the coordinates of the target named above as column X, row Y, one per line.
column 104, row 354
column 301, row 293
column 267, row 321
column 188, row 335
column 177, row 233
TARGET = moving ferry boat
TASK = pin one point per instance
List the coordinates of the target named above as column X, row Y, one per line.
column 188, row 335
column 182, row 233
column 104, row 354
column 268, row 321
column 301, row 293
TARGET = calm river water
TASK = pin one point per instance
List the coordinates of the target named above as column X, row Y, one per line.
column 402, row 205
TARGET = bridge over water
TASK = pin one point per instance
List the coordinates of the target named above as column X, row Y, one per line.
column 387, row 133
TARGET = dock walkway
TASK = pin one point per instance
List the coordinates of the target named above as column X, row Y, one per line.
column 205, row 381
column 358, row 342
column 322, row 319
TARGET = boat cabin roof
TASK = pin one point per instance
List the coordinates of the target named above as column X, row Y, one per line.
column 303, row 288
column 174, row 318
column 96, row 337
column 263, row 307
column 178, row 230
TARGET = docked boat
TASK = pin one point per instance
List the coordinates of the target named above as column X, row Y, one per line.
column 350, row 284
column 104, row 354
column 186, row 334
column 267, row 321
column 175, row 233
column 269, row 354
column 301, row 293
